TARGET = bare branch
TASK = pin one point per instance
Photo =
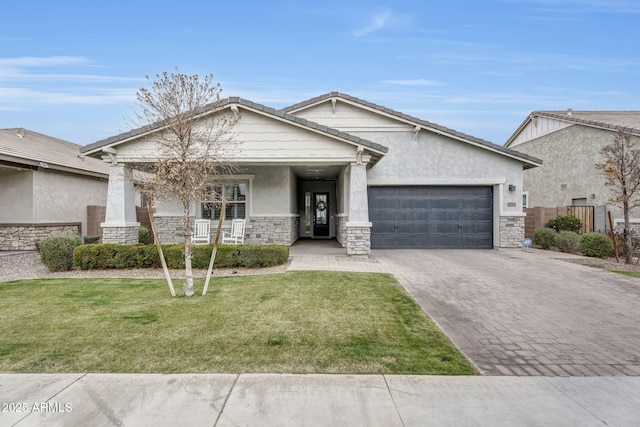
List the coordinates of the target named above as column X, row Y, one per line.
column 191, row 143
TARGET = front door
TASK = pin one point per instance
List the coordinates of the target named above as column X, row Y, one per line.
column 321, row 214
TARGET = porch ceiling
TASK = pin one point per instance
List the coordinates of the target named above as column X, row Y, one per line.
column 317, row 172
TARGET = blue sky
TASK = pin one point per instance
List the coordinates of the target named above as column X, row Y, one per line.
column 70, row 69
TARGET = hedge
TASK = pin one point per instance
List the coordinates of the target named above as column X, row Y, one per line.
column 108, row 255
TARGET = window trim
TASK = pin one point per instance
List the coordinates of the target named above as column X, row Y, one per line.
column 236, row 179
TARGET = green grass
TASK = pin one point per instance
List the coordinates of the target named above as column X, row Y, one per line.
column 627, row 273
column 297, row 322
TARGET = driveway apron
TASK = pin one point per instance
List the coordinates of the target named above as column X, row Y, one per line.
column 526, row 312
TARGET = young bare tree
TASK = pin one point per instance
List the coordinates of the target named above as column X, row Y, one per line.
column 192, row 146
column 621, row 167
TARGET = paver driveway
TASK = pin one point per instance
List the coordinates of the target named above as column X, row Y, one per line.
column 517, row 312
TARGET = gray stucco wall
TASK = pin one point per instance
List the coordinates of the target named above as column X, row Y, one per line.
column 568, row 171
column 272, row 190
column 64, row 197
column 444, row 161
column 16, row 196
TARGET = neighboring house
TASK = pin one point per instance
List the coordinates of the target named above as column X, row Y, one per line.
column 569, row 142
column 339, row 167
column 45, row 188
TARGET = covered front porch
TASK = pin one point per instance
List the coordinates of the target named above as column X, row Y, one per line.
column 295, row 179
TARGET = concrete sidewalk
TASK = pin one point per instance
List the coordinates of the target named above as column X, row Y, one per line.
column 315, row 400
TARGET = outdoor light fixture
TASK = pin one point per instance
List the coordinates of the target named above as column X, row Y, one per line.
column 512, row 187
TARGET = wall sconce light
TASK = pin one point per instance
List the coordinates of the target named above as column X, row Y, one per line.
column 512, row 187
column 593, row 195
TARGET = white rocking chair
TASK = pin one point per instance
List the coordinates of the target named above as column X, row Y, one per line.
column 236, row 235
column 201, row 232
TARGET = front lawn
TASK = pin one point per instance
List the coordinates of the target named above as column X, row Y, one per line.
column 296, row 322
column 627, row 273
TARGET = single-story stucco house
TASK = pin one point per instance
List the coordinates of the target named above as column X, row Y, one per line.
column 336, row 166
column 45, row 188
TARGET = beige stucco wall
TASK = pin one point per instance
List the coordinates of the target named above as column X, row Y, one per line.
column 568, row 171
column 16, row 196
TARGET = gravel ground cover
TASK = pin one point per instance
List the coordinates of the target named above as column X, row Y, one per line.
column 27, row 265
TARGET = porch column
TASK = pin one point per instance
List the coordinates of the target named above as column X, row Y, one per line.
column 358, row 227
column 120, row 225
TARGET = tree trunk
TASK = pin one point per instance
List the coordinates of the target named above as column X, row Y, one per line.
column 188, row 273
column 625, row 235
column 163, row 261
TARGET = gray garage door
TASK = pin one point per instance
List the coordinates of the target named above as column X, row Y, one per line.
column 431, row 217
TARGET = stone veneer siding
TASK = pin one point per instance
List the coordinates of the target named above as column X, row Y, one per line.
column 511, row 231
column 272, row 230
column 358, row 240
column 341, row 229
column 120, row 235
column 23, row 237
column 169, row 229
column 259, row 230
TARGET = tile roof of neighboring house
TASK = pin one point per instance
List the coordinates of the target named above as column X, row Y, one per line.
column 24, row 147
column 416, row 121
column 251, row 106
column 628, row 121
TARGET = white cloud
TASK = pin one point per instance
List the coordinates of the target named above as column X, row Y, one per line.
column 377, row 22
column 30, row 81
column 42, row 61
column 17, row 99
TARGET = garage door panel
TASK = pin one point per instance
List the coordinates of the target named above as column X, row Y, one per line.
column 431, row 217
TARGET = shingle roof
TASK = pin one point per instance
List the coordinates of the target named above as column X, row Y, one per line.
column 30, row 148
column 249, row 105
column 413, row 120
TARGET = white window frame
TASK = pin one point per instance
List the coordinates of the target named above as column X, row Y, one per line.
column 236, row 179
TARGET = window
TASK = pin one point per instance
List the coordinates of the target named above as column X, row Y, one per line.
column 234, row 193
column 525, row 199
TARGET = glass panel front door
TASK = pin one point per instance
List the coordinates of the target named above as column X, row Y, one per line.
column 321, row 214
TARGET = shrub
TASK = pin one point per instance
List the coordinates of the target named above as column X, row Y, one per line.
column 57, row 252
column 105, row 256
column 595, row 245
column 565, row 223
column 143, row 235
column 545, row 237
column 87, row 240
column 567, row 241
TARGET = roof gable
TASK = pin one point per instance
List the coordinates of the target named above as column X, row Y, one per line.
column 627, row 121
column 234, row 104
column 416, row 123
column 22, row 146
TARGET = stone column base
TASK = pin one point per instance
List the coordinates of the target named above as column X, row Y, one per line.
column 511, row 231
column 120, row 234
column 358, row 238
column 341, row 232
